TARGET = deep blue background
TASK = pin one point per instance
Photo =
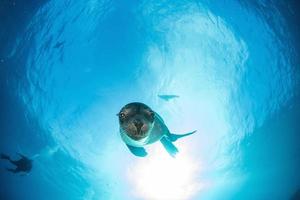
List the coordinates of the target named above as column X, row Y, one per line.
column 66, row 69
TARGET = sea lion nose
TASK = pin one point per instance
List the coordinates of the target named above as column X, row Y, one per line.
column 138, row 124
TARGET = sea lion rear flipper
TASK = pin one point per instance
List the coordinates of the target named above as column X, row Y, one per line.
column 137, row 151
column 169, row 146
column 173, row 137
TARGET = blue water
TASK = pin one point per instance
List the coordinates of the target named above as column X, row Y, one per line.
column 67, row 67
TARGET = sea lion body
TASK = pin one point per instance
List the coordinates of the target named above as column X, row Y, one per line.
column 141, row 126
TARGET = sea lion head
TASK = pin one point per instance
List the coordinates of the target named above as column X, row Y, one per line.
column 136, row 119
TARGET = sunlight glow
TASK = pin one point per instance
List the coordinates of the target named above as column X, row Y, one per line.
column 161, row 177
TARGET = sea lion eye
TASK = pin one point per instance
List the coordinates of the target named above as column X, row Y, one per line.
column 151, row 114
column 122, row 115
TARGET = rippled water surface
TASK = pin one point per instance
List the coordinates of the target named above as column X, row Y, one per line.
column 67, row 67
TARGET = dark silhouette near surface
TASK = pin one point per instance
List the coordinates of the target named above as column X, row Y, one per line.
column 24, row 164
column 59, row 44
column 168, row 97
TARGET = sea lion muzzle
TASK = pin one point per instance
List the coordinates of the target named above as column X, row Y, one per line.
column 138, row 124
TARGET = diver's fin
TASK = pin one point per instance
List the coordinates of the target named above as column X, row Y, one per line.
column 173, row 137
column 169, row 146
column 13, row 170
column 137, row 151
column 4, row 156
column 21, row 155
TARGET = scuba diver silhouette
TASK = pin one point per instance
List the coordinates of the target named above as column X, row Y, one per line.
column 24, row 164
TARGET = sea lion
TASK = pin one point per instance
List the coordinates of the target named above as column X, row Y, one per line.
column 140, row 126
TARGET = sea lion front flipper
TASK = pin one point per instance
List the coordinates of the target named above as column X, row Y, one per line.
column 137, row 151
column 169, row 146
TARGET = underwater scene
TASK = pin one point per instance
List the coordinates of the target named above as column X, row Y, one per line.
column 149, row 100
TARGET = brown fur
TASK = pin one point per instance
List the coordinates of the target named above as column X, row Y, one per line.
column 136, row 119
